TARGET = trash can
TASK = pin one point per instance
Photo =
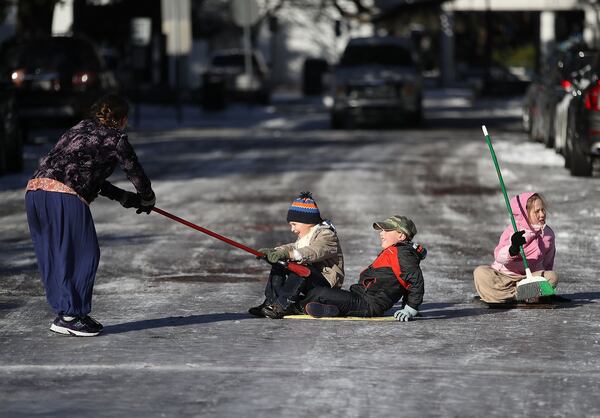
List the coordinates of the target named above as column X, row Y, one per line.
column 312, row 76
column 213, row 92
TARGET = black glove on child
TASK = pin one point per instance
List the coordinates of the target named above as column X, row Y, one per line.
column 516, row 240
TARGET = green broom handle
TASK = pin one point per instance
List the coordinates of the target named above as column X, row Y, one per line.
column 512, row 218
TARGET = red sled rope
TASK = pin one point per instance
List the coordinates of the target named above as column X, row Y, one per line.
column 299, row 269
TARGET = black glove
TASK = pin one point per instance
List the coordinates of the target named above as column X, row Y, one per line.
column 111, row 191
column 146, row 203
column 516, row 240
column 130, row 200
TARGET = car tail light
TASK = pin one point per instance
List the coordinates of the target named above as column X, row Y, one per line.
column 17, row 77
column 83, row 79
column 408, row 89
column 591, row 98
column 566, row 84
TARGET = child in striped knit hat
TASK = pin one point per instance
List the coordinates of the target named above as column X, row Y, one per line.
column 316, row 246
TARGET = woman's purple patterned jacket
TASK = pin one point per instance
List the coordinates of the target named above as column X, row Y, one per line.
column 87, row 154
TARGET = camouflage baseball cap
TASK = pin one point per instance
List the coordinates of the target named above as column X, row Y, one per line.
column 398, row 223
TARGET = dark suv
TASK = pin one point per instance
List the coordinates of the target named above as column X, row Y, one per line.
column 378, row 80
column 55, row 79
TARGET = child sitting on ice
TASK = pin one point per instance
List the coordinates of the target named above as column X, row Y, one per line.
column 498, row 283
column 395, row 274
column 317, row 246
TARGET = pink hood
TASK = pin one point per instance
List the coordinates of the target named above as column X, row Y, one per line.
column 539, row 244
column 518, row 204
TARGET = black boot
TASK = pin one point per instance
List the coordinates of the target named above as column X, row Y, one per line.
column 258, row 310
column 273, row 311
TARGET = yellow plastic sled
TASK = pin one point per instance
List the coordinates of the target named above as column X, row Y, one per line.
column 343, row 318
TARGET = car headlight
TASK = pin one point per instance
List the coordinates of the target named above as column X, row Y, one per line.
column 17, row 77
column 409, row 89
column 246, row 82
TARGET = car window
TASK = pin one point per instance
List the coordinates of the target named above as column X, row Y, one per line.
column 394, row 55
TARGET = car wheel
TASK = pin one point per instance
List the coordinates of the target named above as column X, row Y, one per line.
column 526, row 120
column 337, row 121
column 566, row 152
column 581, row 163
column 3, row 157
column 533, row 123
column 264, row 99
column 14, row 153
column 417, row 117
column 548, row 136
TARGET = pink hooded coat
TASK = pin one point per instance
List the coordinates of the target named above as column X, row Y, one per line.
column 539, row 243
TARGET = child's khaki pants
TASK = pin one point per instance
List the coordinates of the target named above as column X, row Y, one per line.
column 496, row 287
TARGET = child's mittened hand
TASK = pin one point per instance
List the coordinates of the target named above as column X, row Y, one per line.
column 265, row 251
column 273, row 255
column 516, row 240
column 277, row 254
column 405, row 314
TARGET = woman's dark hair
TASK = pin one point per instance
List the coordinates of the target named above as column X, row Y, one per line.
column 110, row 109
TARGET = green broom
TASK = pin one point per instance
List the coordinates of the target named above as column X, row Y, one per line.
column 531, row 286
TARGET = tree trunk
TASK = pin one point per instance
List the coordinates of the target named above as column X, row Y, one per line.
column 34, row 18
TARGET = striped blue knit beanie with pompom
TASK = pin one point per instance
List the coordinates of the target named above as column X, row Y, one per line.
column 304, row 210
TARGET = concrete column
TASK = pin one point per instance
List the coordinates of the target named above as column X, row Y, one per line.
column 547, row 33
column 177, row 26
column 447, row 47
column 591, row 23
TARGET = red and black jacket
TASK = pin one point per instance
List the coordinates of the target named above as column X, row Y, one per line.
column 394, row 274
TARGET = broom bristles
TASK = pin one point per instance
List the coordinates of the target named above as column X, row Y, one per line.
column 533, row 287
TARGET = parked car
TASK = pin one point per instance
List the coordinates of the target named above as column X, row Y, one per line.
column 378, row 80
column 55, row 79
column 576, row 80
column 582, row 142
column 561, row 120
column 226, row 79
column 549, row 88
column 11, row 136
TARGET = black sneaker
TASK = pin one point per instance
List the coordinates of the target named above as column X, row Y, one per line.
column 93, row 323
column 320, row 310
column 295, row 309
column 76, row 326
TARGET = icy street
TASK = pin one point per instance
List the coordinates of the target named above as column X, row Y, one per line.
column 178, row 341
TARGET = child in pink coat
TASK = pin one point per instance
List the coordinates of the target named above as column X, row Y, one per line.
column 498, row 283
